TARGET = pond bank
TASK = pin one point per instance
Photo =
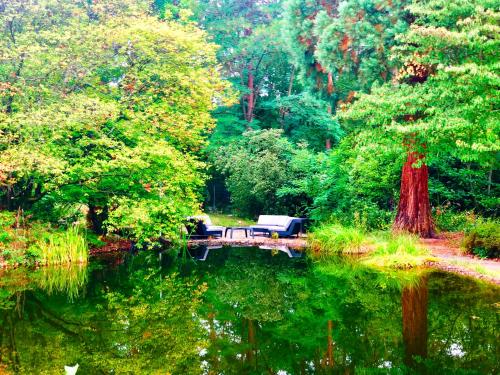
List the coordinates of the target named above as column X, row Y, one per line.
column 446, row 248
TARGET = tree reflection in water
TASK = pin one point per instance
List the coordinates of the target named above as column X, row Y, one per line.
column 244, row 311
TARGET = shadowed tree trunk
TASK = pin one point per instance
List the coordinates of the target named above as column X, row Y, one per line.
column 329, row 350
column 251, row 342
column 414, row 309
column 96, row 217
column 213, row 358
column 414, row 209
column 250, row 95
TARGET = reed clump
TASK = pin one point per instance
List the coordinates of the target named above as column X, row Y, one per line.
column 333, row 239
column 65, row 247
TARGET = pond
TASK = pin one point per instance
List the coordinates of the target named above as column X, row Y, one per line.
column 244, row 311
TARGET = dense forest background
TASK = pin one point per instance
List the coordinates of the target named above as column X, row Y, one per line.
column 130, row 113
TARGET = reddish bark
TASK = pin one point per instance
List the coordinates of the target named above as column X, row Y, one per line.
column 329, row 351
column 251, row 94
column 414, row 310
column 330, row 83
column 251, row 341
column 345, row 43
column 414, row 209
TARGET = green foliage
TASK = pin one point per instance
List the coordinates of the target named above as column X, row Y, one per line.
column 463, row 186
column 347, row 43
column 483, row 238
column 266, row 174
column 359, row 183
column 229, row 220
column 304, row 119
column 447, row 86
column 333, row 239
column 63, row 247
column 400, row 244
column 451, row 221
column 105, row 107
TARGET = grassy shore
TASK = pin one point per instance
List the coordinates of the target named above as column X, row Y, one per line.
column 24, row 242
column 380, row 249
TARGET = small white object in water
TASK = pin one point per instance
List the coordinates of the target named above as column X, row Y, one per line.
column 71, row 370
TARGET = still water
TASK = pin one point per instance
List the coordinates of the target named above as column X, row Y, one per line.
column 244, row 311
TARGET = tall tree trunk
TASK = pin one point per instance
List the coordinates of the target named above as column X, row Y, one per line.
column 251, row 94
column 414, row 311
column 414, row 209
column 329, row 87
column 213, row 358
column 290, row 83
column 329, row 350
column 251, row 342
column 96, row 217
column 328, row 142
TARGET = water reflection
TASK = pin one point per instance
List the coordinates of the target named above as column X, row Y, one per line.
column 245, row 311
column 201, row 252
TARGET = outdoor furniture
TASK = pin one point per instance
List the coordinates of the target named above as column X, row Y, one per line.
column 201, row 227
column 201, row 252
column 288, row 251
column 232, row 229
column 284, row 226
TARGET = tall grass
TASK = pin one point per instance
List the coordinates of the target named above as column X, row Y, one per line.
column 400, row 244
column 333, row 239
column 398, row 251
column 66, row 247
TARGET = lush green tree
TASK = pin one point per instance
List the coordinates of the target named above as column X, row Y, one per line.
column 267, row 174
column 104, row 106
column 444, row 100
column 250, row 52
column 341, row 47
column 360, row 181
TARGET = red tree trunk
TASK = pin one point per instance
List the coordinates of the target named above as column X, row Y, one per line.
column 251, row 94
column 414, row 209
column 329, row 351
column 414, row 308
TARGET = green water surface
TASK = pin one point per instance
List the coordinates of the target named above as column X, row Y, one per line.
column 244, row 311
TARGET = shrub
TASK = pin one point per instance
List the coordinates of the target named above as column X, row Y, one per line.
column 451, row 221
column 330, row 239
column 483, row 238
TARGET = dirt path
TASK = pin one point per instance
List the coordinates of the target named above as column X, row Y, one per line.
column 446, row 248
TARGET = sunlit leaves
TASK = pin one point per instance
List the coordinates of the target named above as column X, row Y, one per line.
column 103, row 99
